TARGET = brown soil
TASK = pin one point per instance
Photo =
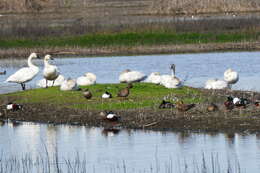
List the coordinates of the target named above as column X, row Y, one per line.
column 135, row 50
column 196, row 119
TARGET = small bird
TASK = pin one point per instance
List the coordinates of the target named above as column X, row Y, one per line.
column 212, row 107
column 240, row 102
column 106, row 95
column 257, row 103
column 3, row 73
column 87, row 94
column 109, row 116
column 124, row 92
column 183, row 107
column 166, row 104
column 13, row 106
column 229, row 103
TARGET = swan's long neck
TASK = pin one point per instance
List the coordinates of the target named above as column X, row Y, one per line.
column 173, row 71
column 46, row 63
column 30, row 64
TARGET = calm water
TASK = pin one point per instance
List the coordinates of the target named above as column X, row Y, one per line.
column 138, row 151
column 196, row 68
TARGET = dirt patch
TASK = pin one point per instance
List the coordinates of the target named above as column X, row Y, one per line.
column 195, row 119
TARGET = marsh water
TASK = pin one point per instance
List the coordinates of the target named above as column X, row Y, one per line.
column 195, row 69
column 128, row 150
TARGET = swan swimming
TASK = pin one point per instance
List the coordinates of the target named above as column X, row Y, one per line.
column 231, row 77
column 87, row 79
column 216, row 84
column 171, row 81
column 154, row 77
column 50, row 72
column 25, row 74
column 42, row 83
column 129, row 76
column 68, row 85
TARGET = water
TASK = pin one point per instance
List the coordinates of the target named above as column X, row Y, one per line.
column 137, row 151
column 196, row 68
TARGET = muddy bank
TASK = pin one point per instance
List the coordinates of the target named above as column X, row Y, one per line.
column 127, row 50
column 196, row 119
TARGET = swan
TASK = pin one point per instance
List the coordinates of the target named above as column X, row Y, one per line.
column 128, row 76
column 42, row 83
column 50, row 72
column 25, row 74
column 171, row 81
column 216, row 84
column 87, row 79
column 68, row 85
column 154, row 77
column 231, row 77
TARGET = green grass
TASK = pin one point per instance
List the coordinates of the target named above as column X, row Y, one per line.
column 142, row 95
column 129, row 39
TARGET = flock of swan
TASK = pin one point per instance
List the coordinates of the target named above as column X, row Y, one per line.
column 52, row 77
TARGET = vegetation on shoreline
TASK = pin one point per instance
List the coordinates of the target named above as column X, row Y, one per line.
column 142, row 95
column 130, row 39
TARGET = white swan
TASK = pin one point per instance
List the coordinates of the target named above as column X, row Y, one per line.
column 154, row 77
column 231, row 77
column 42, row 83
column 216, row 84
column 171, row 81
column 25, row 74
column 129, row 76
column 87, row 79
column 68, row 85
column 50, row 72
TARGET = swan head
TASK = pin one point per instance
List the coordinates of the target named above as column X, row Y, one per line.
column 48, row 57
column 125, row 71
column 34, row 55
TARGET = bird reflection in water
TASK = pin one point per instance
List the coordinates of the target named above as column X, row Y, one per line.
column 230, row 137
column 107, row 132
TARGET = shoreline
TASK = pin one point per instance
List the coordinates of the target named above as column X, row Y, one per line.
column 18, row 53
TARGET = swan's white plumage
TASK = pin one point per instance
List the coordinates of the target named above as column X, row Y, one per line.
column 216, row 84
column 42, row 83
column 171, row 81
column 154, row 77
column 50, row 72
column 129, row 76
column 25, row 74
column 231, row 76
column 87, row 79
column 68, row 85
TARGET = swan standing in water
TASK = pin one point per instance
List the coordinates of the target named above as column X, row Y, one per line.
column 129, row 76
column 154, row 77
column 216, row 84
column 231, row 77
column 50, row 72
column 87, row 79
column 69, row 85
column 42, row 83
column 171, row 81
column 25, row 74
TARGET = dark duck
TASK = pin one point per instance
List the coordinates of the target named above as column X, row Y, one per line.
column 166, row 104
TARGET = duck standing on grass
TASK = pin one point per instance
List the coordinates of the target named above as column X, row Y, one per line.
column 106, row 95
column 13, row 107
column 125, row 91
column 87, row 94
column 183, row 107
column 25, row 74
column 50, row 72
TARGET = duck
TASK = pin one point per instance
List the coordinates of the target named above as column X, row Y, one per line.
column 106, row 95
column 216, row 84
column 3, row 72
column 69, row 85
column 109, row 116
column 231, row 77
column 13, row 107
column 42, row 83
column 154, row 77
column 50, row 72
column 229, row 105
column 25, row 74
column 87, row 79
column 212, row 107
column 87, row 94
column 166, row 105
column 125, row 91
column 128, row 76
column 240, row 102
column 171, row 81
column 183, row 107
